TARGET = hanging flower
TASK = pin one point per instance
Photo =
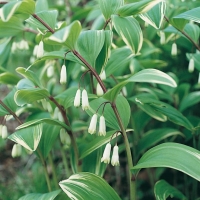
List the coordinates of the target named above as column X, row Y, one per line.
column 103, row 75
column 50, row 71
column 40, row 49
column 162, row 37
column 77, row 99
column 64, row 137
column 1, row 130
column 93, row 124
column 55, row 113
column 115, row 156
column 85, row 103
column 106, row 154
column 102, row 126
column 16, row 150
column 99, row 90
column 63, row 75
column 191, row 65
column 4, row 132
column 174, row 49
column 199, row 78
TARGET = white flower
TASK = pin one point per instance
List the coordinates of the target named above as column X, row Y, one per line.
column 64, row 137
column 1, row 129
column 85, row 103
column 4, row 132
column 106, row 154
column 16, row 150
column 198, row 82
column 40, row 50
column 103, row 75
column 102, row 126
column 174, row 49
column 50, row 71
column 77, row 99
column 99, row 90
column 35, row 50
column 191, row 65
column 93, row 124
column 162, row 37
column 115, row 156
column 63, row 75
column 23, row 44
column 55, row 114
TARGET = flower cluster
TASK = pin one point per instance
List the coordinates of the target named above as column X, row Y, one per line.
column 115, row 156
column 93, row 124
column 77, row 99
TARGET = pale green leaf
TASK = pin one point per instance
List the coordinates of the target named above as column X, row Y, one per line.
column 88, row 186
column 38, row 196
column 129, row 30
column 193, row 31
column 137, row 7
column 171, row 155
column 109, row 7
column 28, row 96
column 29, row 137
column 163, row 190
column 9, row 78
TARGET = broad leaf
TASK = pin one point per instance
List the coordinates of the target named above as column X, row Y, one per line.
column 191, row 15
column 67, row 35
column 109, row 7
column 193, row 31
column 171, row 155
column 46, row 196
column 152, row 137
column 190, row 100
column 9, row 78
column 155, row 16
column 43, row 120
column 137, row 7
column 88, row 186
column 146, row 75
column 90, row 44
column 28, row 96
column 129, row 30
column 163, row 190
column 29, row 137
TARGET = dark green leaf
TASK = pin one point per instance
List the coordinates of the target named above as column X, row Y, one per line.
column 88, row 186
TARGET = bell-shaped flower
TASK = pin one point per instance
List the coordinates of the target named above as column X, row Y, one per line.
column 103, row 75
column 93, row 124
column 16, row 150
column 174, row 49
column 23, row 44
column 50, row 71
column 85, row 103
column 102, row 126
column 191, row 65
column 63, row 75
column 4, row 132
column 162, row 37
column 99, row 90
column 115, row 156
column 106, row 154
column 40, row 50
column 77, row 99
column 64, row 137
column 1, row 129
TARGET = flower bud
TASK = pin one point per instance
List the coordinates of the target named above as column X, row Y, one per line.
column 106, row 154
column 99, row 90
column 16, row 150
column 103, row 75
column 85, row 103
column 77, row 99
column 191, row 65
column 93, row 124
column 4, row 132
column 63, row 75
column 50, row 71
column 40, row 50
column 115, row 156
column 102, row 126
column 174, row 49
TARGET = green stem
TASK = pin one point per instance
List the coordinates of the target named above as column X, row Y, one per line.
column 53, row 171
column 45, row 170
column 65, row 162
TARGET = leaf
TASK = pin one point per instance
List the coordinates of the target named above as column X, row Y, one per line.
column 29, row 137
column 41, row 5
column 29, row 75
column 129, row 30
column 152, row 137
column 155, row 16
column 9, row 78
column 189, row 100
column 163, row 190
column 146, row 75
column 171, row 155
column 137, row 7
column 191, row 15
column 43, row 120
column 193, row 31
column 109, row 7
column 29, row 96
column 38, row 196
column 48, row 16
column 119, row 57
column 88, row 186
column 27, row 6
column 9, row 102
column 11, row 28
column 96, row 143
column 25, row 84
column 67, row 36
column 89, row 45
